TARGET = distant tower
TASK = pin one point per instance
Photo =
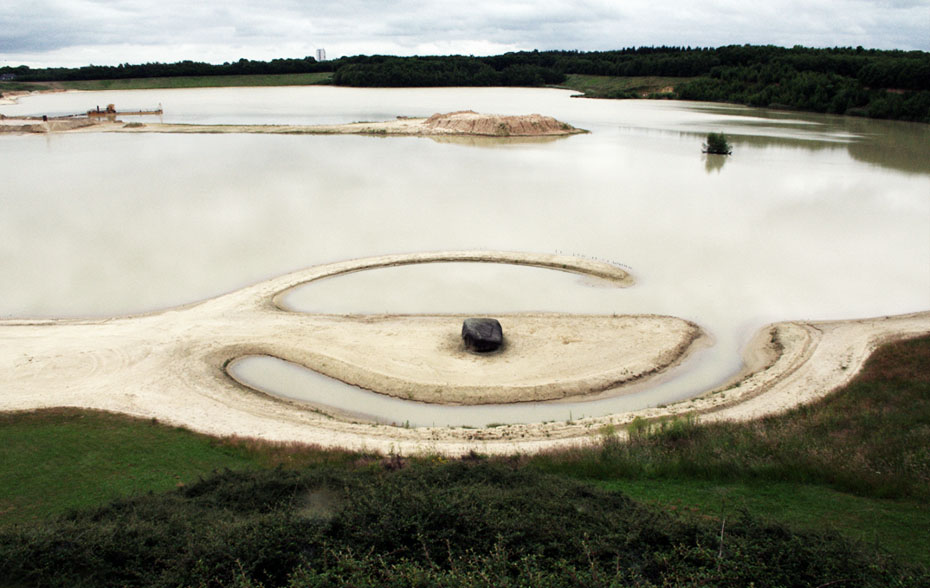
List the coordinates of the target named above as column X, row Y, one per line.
column 321, row 54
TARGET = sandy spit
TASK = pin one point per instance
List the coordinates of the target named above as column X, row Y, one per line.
column 463, row 123
column 170, row 365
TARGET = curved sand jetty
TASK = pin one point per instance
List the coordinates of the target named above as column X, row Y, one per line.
column 453, row 124
column 170, row 365
column 420, row 357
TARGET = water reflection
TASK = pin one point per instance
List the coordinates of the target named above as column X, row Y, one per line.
column 889, row 144
column 495, row 142
column 896, row 145
column 714, row 163
column 903, row 150
column 455, row 287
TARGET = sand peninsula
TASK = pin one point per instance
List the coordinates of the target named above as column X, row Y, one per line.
column 461, row 123
column 173, row 365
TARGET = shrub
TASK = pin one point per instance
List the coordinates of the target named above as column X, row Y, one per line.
column 717, row 144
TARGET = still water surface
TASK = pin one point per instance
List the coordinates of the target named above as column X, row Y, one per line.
column 812, row 217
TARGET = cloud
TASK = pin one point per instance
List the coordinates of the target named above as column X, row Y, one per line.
column 76, row 32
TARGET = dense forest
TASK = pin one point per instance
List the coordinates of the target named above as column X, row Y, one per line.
column 856, row 81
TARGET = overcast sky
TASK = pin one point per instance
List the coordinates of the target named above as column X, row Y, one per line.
column 42, row 33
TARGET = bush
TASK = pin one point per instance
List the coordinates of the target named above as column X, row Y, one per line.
column 460, row 523
column 717, row 144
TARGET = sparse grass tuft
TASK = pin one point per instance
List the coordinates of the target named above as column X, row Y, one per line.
column 870, row 439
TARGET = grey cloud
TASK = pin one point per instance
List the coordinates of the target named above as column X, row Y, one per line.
column 237, row 28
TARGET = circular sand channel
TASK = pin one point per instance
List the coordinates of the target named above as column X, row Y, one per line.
column 546, row 356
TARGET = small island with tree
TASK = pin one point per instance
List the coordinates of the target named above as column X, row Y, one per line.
column 717, row 144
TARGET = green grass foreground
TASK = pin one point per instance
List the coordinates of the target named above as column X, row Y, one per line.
column 52, row 461
column 831, row 494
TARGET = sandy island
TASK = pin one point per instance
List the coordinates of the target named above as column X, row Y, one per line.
column 462, row 123
column 171, row 365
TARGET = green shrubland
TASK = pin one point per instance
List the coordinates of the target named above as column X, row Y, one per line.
column 834, row 493
column 484, row 522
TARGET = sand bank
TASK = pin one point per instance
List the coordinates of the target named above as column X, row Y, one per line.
column 170, row 365
column 37, row 125
column 463, row 123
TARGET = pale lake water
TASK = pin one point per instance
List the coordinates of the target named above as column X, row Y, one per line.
column 812, row 217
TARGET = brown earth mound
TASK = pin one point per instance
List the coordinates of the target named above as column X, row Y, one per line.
column 472, row 123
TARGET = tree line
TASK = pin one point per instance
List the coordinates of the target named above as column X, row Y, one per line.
column 890, row 84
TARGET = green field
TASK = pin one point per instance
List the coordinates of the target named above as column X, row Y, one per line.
column 306, row 79
column 52, row 461
column 24, row 87
column 843, row 482
column 622, row 87
column 590, row 86
column 890, row 525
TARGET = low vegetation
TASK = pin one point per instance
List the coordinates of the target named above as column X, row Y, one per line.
column 302, row 79
column 830, row 494
column 624, row 87
column 871, row 440
column 463, row 523
column 23, row 87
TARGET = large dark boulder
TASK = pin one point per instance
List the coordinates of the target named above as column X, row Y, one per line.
column 482, row 334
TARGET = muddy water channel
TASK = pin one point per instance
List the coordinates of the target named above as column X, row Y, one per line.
column 812, row 217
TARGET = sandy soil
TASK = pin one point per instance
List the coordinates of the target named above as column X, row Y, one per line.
column 463, row 123
column 34, row 125
column 170, row 365
column 12, row 96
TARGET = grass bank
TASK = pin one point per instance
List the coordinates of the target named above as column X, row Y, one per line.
column 394, row 523
column 857, row 461
column 624, row 87
column 590, row 86
column 871, row 439
column 23, row 87
column 833, row 492
column 56, row 460
column 306, row 79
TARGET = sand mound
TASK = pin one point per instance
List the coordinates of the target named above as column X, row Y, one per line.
column 471, row 123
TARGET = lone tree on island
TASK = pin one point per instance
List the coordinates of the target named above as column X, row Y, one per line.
column 717, row 144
